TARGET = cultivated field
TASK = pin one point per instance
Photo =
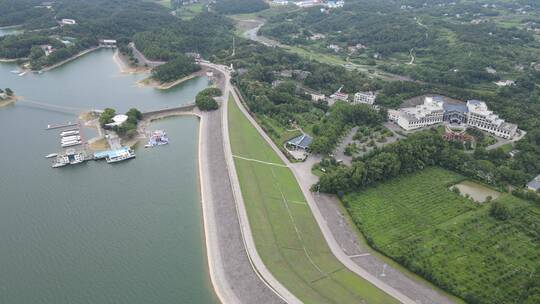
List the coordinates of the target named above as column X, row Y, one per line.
column 285, row 232
column 451, row 240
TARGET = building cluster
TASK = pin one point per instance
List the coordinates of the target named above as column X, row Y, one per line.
column 107, row 43
column 311, row 3
column 435, row 110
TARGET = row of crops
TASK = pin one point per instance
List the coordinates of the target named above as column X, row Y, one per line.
column 450, row 240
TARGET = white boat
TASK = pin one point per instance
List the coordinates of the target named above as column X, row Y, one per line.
column 15, row 71
column 58, row 165
column 69, row 133
column 71, row 143
column 70, row 138
column 158, row 138
column 120, row 156
column 51, row 155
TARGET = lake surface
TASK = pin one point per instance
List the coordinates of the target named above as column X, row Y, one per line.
column 98, row 233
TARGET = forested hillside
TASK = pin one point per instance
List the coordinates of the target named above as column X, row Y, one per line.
column 155, row 31
column 458, row 43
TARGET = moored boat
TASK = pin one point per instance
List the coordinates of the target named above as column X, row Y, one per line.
column 158, row 138
column 121, row 155
column 69, row 132
column 51, row 155
column 71, row 143
column 70, row 138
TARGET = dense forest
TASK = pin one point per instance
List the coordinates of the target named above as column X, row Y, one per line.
column 239, row 6
column 176, row 68
column 420, row 150
column 208, row 34
column 29, row 14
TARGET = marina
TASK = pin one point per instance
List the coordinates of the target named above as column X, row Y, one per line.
column 74, row 137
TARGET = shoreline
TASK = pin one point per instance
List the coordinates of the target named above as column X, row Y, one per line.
column 125, row 67
column 7, row 60
column 61, row 63
column 149, row 82
column 9, row 101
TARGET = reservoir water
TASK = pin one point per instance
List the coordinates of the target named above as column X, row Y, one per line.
column 98, row 233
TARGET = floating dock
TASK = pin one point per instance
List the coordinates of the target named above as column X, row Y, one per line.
column 59, row 126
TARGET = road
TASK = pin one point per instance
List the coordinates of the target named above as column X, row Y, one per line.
column 141, row 59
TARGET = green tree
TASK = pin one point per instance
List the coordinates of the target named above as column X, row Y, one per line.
column 499, row 211
column 106, row 116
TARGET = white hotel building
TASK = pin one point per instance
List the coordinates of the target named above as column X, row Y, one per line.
column 427, row 114
column 434, row 111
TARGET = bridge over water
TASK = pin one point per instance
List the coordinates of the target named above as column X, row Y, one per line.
column 53, row 107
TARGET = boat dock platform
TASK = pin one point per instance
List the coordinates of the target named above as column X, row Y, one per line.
column 59, row 126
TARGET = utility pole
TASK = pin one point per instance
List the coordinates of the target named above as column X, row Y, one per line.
column 233, row 46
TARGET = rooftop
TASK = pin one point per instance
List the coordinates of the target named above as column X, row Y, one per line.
column 456, row 107
column 430, row 105
column 303, row 141
column 534, row 184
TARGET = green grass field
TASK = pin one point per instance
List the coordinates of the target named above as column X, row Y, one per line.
column 450, row 240
column 285, row 232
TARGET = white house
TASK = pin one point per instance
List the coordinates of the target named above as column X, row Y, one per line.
column 505, row 83
column 365, row 97
column 108, row 43
column 534, row 185
column 429, row 113
column 393, row 115
column 68, row 22
column 317, row 97
column 118, row 120
column 336, row 48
